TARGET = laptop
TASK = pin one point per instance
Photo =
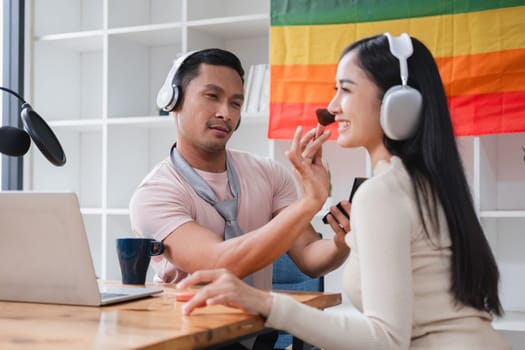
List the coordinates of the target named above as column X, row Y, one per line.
column 45, row 256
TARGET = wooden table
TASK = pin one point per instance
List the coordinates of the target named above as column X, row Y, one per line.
column 152, row 323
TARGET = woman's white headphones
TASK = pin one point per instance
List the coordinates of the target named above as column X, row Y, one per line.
column 169, row 95
column 401, row 105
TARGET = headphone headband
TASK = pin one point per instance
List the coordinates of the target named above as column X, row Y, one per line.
column 401, row 105
column 168, row 95
column 401, row 48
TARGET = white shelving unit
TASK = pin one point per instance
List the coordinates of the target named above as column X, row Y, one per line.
column 93, row 71
column 498, row 173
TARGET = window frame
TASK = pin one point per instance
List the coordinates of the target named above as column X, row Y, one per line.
column 13, row 78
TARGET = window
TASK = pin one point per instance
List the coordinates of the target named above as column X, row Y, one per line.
column 1, row 66
column 12, row 24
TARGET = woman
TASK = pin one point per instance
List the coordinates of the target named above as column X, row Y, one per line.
column 420, row 270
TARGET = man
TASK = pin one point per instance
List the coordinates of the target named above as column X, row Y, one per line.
column 204, row 90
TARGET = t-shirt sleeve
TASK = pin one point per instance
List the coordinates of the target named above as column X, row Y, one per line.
column 159, row 206
column 383, row 234
column 285, row 188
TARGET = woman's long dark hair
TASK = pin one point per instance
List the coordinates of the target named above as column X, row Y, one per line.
column 432, row 159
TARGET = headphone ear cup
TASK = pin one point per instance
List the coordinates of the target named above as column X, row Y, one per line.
column 400, row 112
column 165, row 97
column 169, row 98
column 169, row 95
column 177, row 98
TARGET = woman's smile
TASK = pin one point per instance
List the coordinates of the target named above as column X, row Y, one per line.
column 343, row 126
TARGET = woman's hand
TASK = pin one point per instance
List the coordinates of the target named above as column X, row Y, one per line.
column 305, row 155
column 226, row 289
column 339, row 222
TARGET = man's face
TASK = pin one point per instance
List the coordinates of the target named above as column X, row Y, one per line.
column 211, row 108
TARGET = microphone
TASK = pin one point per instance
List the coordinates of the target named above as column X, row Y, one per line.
column 13, row 141
column 38, row 130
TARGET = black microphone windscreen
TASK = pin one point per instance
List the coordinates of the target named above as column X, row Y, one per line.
column 13, row 141
column 42, row 135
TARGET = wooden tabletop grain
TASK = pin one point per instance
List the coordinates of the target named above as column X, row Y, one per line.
column 152, row 323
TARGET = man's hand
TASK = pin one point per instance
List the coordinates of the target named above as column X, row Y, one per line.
column 305, row 155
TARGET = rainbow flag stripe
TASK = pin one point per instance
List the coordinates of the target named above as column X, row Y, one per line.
column 479, row 47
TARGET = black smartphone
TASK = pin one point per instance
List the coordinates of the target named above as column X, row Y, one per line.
column 357, row 182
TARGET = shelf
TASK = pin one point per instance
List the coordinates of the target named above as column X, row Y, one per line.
column 162, row 34
column 257, row 119
column 153, row 122
column 77, row 125
column 497, row 214
column 91, row 211
column 109, row 211
column 511, row 321
column 118, row 211
column 80, row 41
column 142, row 122
column 234, row 27
column 150, row 35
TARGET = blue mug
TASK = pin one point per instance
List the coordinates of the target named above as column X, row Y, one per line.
column 134, row 255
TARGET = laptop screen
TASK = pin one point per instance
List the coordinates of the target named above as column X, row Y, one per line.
column 44, row 249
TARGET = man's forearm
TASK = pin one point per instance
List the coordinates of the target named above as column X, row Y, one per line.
column 323, row 256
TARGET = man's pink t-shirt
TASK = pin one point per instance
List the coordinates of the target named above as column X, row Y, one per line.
column 164, row 201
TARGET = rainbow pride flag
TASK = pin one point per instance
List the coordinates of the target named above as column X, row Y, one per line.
column 479, row 46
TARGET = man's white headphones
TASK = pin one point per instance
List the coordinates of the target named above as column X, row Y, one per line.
column 401, row 105
column 170, row 94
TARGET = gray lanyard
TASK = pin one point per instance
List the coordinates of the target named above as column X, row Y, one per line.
column 228, row 208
